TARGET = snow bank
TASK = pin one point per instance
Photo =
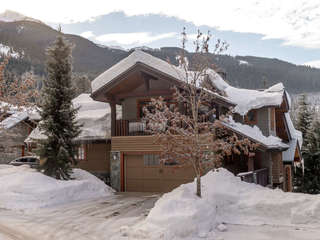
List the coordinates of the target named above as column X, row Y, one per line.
column 225, row 199
column 25, row 188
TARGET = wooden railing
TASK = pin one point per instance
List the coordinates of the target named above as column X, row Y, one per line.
column 130, row 128
column 122, row 127
column 259, row 176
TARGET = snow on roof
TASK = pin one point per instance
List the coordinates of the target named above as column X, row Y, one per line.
column 94, row 116
column 244, row 99
column 247, row 99
column 17, row 115
column 135, row 57
column 296, row 138
column 255, row 134
column 13, row 120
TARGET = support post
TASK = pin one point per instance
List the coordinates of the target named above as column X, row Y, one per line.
column 250, row 164
column 113, row 118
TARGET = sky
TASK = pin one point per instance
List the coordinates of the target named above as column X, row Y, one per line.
column 291, row 26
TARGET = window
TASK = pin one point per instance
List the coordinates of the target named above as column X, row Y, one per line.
column 81, row 152
column 273, row 119
column 144, row 102
column 251, row 117
column 151, row 159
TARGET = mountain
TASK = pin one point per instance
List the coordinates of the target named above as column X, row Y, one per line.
column 30, row 39
column 11, row 16
column 27, row 40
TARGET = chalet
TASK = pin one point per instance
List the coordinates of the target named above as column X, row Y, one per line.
column 15, row 126
column 262, row 116
column 94, row 140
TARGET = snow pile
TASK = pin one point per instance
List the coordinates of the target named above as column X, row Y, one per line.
column 26, row 188
column 180, row 214
column 253, row 132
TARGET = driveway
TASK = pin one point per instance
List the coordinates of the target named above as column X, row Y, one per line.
column 91, row 220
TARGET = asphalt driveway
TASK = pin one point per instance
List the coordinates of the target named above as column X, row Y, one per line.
column 92, row 220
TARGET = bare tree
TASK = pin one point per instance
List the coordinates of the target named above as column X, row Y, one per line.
column 16, row 93
column 191, row 137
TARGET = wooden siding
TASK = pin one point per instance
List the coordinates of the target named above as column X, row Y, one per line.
column 97, row 158
column 134, row 144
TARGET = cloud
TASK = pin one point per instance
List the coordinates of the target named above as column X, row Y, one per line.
column 87, row 34
column 296, row 22
column 315, row 63
column 135, row 38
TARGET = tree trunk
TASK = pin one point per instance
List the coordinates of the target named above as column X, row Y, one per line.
column 198, row 185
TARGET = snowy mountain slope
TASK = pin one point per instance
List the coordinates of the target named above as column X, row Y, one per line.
column 11, row 16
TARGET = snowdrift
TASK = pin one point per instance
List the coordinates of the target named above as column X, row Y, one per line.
column 180, row 214
column 25, row 188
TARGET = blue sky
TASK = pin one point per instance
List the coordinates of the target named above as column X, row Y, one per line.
column 284, row 29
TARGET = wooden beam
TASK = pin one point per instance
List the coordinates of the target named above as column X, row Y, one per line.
column 113, row 117
column 144, row 94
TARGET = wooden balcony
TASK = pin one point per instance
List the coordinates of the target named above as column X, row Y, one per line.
column 130, row 128
column 260, row 176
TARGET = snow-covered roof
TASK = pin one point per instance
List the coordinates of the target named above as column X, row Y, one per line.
column 254, row 134
column 94, row 116
column 243, row 99
column 247, row 99
column 296, row 138
column 17, row 115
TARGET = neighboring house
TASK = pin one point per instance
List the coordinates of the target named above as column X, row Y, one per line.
column 14, row 128
column 261, row 116
column 94, row 140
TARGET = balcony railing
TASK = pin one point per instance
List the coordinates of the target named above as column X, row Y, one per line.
column 130, row 128
column 259, row 176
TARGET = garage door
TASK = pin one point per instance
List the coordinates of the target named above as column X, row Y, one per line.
column 144, row 173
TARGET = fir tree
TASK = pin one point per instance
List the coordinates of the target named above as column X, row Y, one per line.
column 310, row 180
column 305, row 117
column 57, row 113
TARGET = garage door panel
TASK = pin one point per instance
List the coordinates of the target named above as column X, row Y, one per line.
column 152, row 185
column 178, row 173
column 134, row 172
column 133, row 161
column 152, row 172
column 134, row 185
column 153, row 178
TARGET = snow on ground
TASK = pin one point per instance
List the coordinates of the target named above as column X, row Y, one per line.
column 25, row 188
column 180, row 214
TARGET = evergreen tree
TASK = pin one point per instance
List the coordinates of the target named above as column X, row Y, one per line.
column 310, row 180
column 305, row 117
column 57, row 113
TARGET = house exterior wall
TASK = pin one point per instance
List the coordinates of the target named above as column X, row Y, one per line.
column 12, row 142
column 129, row 108
column 97, row 158
column 263, row 120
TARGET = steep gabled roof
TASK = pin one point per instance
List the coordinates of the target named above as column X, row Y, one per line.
column 243, row 99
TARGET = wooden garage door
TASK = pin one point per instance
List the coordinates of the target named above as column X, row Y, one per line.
column 144, row 173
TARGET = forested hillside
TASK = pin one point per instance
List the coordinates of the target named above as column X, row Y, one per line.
column 28, row 40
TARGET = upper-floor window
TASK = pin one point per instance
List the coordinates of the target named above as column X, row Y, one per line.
column 81, row 152
column 141, row 103
column 273, row 119
column 251, row 117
